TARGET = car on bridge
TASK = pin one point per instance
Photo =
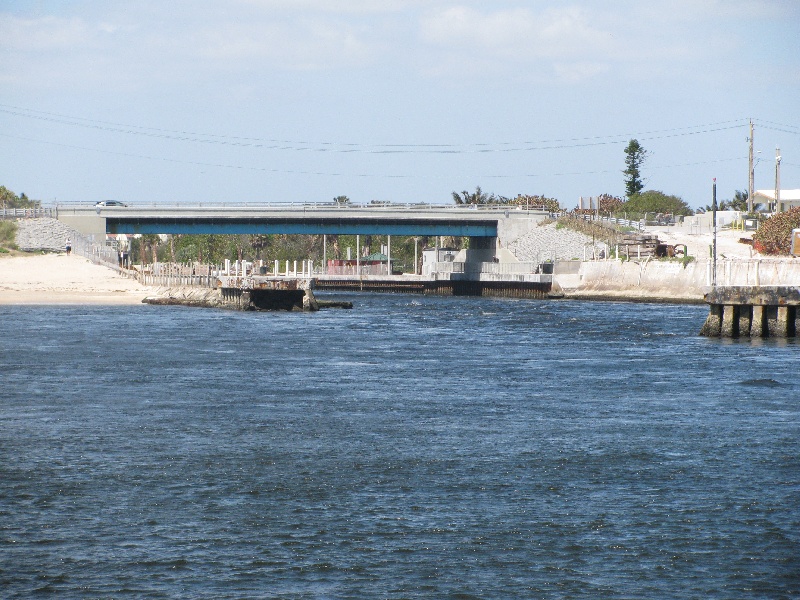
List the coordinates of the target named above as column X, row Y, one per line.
column 104, row 203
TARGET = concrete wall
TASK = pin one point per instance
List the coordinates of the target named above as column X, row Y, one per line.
column 514, row 226
column 93, row 227
column 671, row 280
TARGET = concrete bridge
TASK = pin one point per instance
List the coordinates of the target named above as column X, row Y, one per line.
column 492, row 223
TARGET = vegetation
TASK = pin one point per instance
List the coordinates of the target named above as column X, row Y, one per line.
column 738, row 202
column 8, row 236
column 215, row 249
column 476, row 197
column 9, row 199
column 527, row 200
column 653, row 201
column 635, row 156
column 594, row 229
column 774, row 236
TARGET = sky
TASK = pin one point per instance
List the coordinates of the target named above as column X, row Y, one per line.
column 393, row 100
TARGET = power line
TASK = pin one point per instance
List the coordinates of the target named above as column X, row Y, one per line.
column 783, row 125
column 334, row 174
column 349, row 147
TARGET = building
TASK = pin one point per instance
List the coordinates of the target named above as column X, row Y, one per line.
column 789, row 199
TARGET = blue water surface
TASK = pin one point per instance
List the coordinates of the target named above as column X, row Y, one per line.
column 412, row 447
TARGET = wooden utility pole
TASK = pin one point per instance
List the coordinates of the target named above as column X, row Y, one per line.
column 751, row 173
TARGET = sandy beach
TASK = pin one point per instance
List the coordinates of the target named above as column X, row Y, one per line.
column 62, row 279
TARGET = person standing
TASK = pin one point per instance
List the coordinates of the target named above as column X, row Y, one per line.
column 69, row 246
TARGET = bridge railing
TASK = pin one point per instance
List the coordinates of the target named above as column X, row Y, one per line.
column 294, row 206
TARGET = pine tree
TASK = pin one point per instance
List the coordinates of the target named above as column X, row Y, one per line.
column 634, row 158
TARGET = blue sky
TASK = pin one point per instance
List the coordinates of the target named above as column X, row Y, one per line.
column 398, row 100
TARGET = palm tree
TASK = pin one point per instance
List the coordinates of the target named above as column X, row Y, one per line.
column 476, row 197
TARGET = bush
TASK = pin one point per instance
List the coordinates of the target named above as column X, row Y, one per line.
column 8, row 233
column 774, row 236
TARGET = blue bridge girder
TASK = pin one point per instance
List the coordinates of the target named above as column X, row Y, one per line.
column 484, row 221
column 302, row 225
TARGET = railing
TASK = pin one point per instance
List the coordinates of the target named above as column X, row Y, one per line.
column 522, row 268
column 378, row 206
column 637, row 225
column 27, row 213
column 177, row 274
column 209, row 281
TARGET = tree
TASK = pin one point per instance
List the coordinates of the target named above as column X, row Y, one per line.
column 653, row 201
column 341, row 200
column 635, row 156
column 9, row 199
column 536, row 201
column 476, row 197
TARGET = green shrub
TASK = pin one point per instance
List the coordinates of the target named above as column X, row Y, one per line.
column 8, row 233
column 774, row 236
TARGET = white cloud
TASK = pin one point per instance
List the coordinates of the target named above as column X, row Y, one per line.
column 520, row 37
column 307, row 45
column 44, row 34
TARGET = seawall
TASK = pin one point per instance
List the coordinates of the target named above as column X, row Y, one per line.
column 236, row 299
column 672, row 281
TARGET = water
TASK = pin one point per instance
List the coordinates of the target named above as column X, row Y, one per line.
column 411, row 447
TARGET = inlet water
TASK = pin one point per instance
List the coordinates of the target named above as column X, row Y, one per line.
column 411, row 447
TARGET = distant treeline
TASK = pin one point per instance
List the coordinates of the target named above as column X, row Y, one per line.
column 9, row 199
column 215, row 249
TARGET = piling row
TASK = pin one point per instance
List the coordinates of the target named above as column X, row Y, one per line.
column 753, row 312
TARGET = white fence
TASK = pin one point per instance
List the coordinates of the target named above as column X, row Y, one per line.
column 27, row 213
column 637, row 225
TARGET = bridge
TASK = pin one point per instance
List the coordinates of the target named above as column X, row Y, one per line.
column 477, row 221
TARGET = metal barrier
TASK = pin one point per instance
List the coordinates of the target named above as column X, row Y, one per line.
column 27, row 213
column 637, row 225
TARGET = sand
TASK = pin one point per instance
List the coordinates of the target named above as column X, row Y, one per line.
column 698, row 244
column 62, row 279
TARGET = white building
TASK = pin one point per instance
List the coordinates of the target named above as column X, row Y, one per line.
column 789, row 199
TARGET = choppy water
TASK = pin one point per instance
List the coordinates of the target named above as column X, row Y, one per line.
column 411, row 447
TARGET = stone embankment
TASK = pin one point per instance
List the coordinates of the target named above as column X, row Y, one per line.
column 45, row 234
column 549, row 242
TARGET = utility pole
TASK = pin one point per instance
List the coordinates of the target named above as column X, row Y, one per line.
column 777, row 179
column 751, row 173
column 714, row 247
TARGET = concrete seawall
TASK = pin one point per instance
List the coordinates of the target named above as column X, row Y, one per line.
column 671, row 281
column 236, row 299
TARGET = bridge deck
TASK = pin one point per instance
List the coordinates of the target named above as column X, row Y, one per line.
column 380, row 219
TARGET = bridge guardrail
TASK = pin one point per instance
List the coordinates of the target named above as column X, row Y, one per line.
column 382, row 207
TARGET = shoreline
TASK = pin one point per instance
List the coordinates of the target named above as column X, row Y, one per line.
column 58, row 279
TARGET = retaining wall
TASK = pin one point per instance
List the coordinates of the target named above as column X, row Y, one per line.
column 671, row 280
